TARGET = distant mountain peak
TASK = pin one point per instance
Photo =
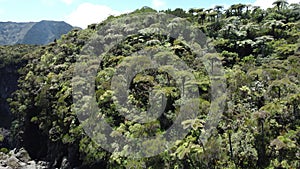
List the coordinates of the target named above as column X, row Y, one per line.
column 37, row 33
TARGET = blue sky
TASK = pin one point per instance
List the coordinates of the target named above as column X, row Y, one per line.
column 84, row 12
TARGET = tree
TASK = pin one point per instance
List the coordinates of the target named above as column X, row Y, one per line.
column 218, row 9
column 261, row 43
column 261, row 146
column 178, row 12
column 202, row 16
column 280, row 4
column 212, row 16
column 295, row 12
column 272, row 25
column 192, row 11
column 247, row 8
column 240, row 8
column 209, row 10
column 233, row 10
column 251, row 29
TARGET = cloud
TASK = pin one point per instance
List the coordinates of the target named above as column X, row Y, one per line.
column 158, row 3
column 293, row 1
column 68, row 2
column 88, row 13
column 266, row 4
column 53, row 2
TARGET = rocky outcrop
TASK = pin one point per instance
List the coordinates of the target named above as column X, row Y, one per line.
column 20, row 159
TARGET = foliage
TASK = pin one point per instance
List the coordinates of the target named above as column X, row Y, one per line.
column 13, row 55
column 259, row 127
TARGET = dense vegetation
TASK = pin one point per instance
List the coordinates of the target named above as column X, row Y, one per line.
column 11, row 59
column 259, row 128
column 13, row 55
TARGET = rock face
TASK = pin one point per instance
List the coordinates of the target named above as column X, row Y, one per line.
column 16, row 159
column 8, row 84
column 36, row 33
column 5, row 139
column 11, row 59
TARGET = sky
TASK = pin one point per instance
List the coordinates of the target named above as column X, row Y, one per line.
column 84, row 12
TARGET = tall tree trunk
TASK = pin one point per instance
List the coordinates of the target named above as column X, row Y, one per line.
column 230, row 145
column 261, row 149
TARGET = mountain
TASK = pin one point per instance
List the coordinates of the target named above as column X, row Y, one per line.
column 36, row 33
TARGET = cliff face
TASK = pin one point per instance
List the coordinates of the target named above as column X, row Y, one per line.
column 37, row 33
column 33, row 139
column 8, row 84
column 11, row 59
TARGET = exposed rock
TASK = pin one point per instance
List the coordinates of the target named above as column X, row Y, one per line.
column 20, row 160
column 13, row 162
column 65, row 164
column 3, row 157
column 23, row 155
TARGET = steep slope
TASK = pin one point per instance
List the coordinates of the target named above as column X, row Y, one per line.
column 37, row 33
column 259, row 126
column 45, row 32
column 11, row 32
column 11, row 59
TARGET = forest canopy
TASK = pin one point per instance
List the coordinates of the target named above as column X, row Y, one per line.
column 259, row 127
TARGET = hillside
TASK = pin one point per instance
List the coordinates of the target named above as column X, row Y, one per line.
column 11, row 59
column 230, row 77
column 36, row 33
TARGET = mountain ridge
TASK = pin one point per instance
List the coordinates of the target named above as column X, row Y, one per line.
column 35, row 33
